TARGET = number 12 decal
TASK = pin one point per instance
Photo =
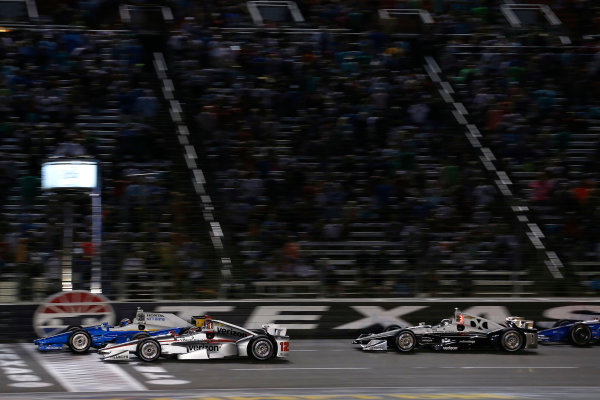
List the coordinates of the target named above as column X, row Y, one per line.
column 285, row 346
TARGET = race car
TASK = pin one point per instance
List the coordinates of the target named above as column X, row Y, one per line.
column 208, row 339
column 461, row 332
column 80, row 339
column 579, row 333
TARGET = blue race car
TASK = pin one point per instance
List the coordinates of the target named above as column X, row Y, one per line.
column 579, row 333
column 80, row 339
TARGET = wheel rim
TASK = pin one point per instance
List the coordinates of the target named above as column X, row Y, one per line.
column 512, row 341
column 406, row 341
column 149, row 350
column 581, row 334
column 262, row 349
column 80, row 341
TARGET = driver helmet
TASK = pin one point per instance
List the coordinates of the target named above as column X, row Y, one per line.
column 124, row 322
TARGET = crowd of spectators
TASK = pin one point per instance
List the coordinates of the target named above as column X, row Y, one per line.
column 315, row 139
column 539, row 113
column 74, row 94
column 333, row 156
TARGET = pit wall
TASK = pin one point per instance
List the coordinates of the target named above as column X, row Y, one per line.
column 304, row 318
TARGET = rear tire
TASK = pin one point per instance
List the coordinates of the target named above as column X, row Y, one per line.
column 79, row 341
column 183, row 331
column 405, row 341
column 148, row 350
column 512, row 340
column 580, row 335
column 140, row 335
column 261, row 348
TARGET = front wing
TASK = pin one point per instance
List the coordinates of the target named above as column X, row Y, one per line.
column 375, row 341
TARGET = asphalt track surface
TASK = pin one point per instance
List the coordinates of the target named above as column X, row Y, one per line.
column 315, row 370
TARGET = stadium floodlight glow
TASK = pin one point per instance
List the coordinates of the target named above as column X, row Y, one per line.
column 274, row 11
column 69, row 174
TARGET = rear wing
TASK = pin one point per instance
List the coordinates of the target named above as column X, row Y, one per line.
column 519, row 322
column 158, row 320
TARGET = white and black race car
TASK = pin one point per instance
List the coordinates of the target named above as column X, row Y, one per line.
column 207, row 339
column 461, row 332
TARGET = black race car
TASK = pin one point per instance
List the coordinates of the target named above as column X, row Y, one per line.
column 461, row 332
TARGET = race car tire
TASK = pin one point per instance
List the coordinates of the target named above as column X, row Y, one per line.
column 580, row 334
column 562, row 322
column 140, row 335
column 512, row 340
column 391, row 341
column 183, row 331
column 72, row 328
column 405, row 341
column 261, row 348
column 79, row 341
column 148, row 350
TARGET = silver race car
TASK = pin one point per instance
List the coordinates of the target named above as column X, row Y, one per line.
column 461, row 332
column 207, row 339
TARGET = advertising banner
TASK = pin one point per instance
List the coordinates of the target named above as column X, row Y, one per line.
column 328, row 318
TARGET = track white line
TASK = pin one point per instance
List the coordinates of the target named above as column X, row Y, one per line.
column 296, row 368
column 511, row 367
column 80, row 373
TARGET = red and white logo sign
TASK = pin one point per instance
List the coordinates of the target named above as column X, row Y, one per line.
column 76, row 308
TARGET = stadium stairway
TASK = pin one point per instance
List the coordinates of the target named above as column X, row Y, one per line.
column 341, row 257
column 569, row 158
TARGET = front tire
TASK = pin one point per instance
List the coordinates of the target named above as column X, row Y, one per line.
column 79, row 341
column 148, row 350
column 261, row 348
column 511, row 340
column 72, row 328
column 405, row 341
column 580, row 335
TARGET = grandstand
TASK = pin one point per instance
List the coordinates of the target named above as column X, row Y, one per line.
column 303, row 149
